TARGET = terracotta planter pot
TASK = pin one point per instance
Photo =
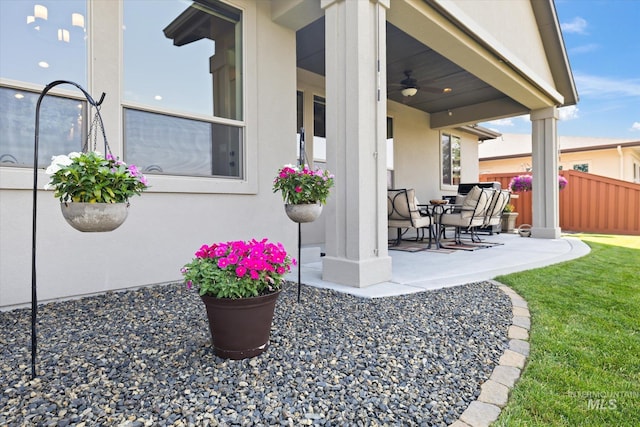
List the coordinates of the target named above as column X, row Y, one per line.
column 240, row 328
column 94, row 217
column 303, row 213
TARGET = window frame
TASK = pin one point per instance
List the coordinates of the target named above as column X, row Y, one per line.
column 247, row 183
column 443, row 185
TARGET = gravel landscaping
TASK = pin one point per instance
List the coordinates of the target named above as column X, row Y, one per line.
column 143, row 357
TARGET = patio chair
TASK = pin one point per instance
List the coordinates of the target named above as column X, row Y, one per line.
column 403, row 213
column 470, row 214
column 500, row 199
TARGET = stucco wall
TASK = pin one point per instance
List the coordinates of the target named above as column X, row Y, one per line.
column 165, row 225
column 417, row 153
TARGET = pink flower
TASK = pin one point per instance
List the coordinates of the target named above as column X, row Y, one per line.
column 240, row 271
column 254, row 275
column 133, row 170
column 298, row 189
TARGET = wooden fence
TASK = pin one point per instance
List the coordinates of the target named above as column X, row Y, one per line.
column 589, row 203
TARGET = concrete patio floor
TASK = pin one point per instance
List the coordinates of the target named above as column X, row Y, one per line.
column 425, row 270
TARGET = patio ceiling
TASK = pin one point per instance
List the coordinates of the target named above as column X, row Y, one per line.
column 404, row 52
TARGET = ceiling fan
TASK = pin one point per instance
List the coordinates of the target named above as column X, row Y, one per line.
column 410, row 86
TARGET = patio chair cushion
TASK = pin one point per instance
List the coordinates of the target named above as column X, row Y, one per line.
column 474, row 203
column 402, row 210
column 494, row 213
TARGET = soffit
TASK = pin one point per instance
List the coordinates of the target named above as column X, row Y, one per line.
column 429, row 68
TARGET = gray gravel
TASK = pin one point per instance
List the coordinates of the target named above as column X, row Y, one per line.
column 143, row 357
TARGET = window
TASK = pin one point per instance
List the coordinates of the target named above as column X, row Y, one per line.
column 319, row 129
column 62, row 127
column 581, row 167
column 450, row 152
column 636, row 172
column 299, row 120
column 52, row 43
column 166, row 144
column 188, row 118
column 44, row 40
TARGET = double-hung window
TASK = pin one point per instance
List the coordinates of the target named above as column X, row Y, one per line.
column 183, row 80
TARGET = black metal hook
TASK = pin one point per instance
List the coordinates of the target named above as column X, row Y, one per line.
column 34, row 298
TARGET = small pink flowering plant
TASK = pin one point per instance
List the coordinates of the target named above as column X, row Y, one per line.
column 92, row 178
column 301, row 185
column 238, row 269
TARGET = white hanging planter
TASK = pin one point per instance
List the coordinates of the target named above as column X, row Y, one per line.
column 94, row 217
column 303, row 212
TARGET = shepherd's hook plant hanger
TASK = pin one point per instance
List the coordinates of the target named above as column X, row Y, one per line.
column 34, row 298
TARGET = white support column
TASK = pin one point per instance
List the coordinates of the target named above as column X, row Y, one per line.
column 356, row 240
column 546, row 211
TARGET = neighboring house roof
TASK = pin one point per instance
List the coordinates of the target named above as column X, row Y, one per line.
column 511, row 145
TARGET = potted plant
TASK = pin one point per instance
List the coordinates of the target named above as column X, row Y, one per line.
column 239, row 283
column 304, row 191
column 94, row 190
column 508, row 219
column 524, row 183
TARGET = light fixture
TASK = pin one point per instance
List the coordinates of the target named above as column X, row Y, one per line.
column 31, row 19
column 18, row 96
column 409, row 91
column 450, row 113
column 447, row 90
column 77, row 20
column 63, row 35
column 40, row 11
column 43, row 64
column 158, row 98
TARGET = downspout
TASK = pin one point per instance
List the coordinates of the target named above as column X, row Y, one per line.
column 619, row 148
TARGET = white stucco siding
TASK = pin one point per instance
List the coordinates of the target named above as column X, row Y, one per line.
column 469, row 157
column 416, row 151
column 178, row 214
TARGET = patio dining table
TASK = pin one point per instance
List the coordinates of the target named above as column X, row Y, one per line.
column 436, row 210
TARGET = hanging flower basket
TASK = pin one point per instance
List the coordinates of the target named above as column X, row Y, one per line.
column 304, row 191
column 302, row 213
column 94, row 190
column 524, row 183
column 95, row 217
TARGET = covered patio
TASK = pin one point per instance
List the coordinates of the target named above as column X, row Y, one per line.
column 436, row 69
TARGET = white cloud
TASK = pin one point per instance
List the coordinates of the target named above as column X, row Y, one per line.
column 603, row 87
column 585, row 48
column 578, row 26
column 568, row 113
column 635, row 126
column 502, row 122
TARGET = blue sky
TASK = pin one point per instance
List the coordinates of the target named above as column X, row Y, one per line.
column 603, row 43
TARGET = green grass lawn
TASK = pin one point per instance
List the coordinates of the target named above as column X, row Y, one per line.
column 584, row 366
